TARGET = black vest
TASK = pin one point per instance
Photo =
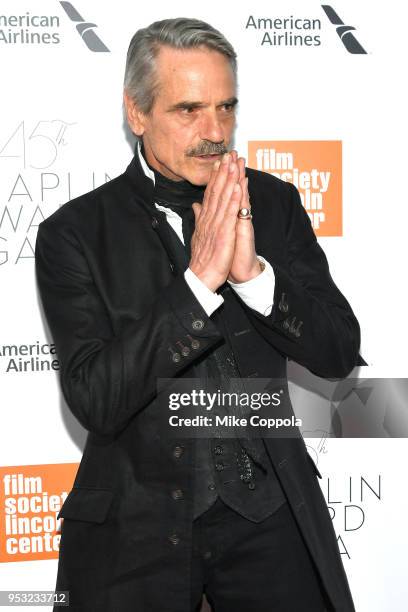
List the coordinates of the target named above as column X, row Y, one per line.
column 239, row 471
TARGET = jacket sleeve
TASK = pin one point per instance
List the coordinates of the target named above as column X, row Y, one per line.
column 106, row 378
column 311, row 322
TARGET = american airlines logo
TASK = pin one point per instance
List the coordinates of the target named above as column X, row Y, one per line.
column 85, row 29
column 344, row 31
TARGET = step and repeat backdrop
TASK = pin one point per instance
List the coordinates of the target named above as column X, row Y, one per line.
column 321, row 104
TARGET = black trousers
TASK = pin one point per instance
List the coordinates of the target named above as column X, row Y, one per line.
column 243, row 566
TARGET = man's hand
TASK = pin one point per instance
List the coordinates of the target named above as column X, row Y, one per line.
column 214, row 237
column 245, row 264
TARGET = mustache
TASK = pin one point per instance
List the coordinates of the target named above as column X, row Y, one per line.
column 208, row 148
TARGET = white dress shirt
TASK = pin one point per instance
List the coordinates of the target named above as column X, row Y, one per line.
column 257, row 292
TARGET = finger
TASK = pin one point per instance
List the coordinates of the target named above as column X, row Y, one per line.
column 225, row 196
column 225, row 174
column 234, row 205
column 213, row 176
column 245, row 195
column 197, row 208
column 241, row 165
column 218, row 175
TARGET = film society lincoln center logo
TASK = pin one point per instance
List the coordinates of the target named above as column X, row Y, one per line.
column 315, row 168
column 31, row 497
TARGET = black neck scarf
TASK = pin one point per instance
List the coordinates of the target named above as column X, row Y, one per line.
column 178, row 196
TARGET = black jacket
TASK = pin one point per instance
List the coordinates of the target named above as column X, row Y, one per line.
column 116, row 311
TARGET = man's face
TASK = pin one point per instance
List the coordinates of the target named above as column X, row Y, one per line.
column 193, row 113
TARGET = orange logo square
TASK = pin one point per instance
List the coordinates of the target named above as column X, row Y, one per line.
column 30, row 498
column 315, row 168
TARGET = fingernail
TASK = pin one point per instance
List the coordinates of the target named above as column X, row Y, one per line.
column 217, row 164
column 225, row 158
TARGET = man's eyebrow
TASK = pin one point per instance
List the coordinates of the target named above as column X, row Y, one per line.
column 187, row 104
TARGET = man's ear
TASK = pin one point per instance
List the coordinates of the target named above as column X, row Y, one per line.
column 135, row 117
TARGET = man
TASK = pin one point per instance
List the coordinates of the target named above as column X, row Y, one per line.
column 190, row 265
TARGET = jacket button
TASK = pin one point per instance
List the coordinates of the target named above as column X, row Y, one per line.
column 218, row 450
column 185, row 351
column 292, row 328
column 176, row 357
column 174, row 539
column 197, row 324
column 155, row 222
column 195, row 344
column 283, row 306
column 177, row 451
column 285, row 324
column 211, row 486
column 251, row 486
column 177, row 494
column 297, row 331
column 219, row 466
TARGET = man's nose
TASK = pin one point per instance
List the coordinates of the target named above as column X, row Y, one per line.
column 211, row 127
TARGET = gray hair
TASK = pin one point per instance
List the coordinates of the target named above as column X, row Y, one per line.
column 180, row 33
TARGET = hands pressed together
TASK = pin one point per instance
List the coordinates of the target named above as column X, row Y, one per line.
column 223, row 245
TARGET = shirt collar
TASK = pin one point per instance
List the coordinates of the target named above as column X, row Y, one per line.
column 148, row 172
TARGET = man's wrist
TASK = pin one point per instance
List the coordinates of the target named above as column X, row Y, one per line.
column 209, row 300
column 256, row 270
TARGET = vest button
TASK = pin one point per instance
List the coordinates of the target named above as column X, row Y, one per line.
column 218, row 450
column 219, row 466
column 177, row 494
column 251, row 486
column 155, row 222
column 174, row 539
column 177, row 451
column 211, row 486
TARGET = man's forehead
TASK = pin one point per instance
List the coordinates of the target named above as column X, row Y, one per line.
column 167, row 54
column 194, row 74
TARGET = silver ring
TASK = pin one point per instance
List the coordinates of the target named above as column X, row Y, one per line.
column 244, row 213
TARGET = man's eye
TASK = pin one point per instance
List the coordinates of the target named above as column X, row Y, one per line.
column 229, row 107
column 188, row 110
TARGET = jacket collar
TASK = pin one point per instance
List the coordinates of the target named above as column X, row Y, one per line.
column 141, row 177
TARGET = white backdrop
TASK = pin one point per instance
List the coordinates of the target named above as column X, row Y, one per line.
column 62, row 133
